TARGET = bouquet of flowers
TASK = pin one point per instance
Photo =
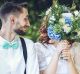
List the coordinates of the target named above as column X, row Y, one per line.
column 63, row 23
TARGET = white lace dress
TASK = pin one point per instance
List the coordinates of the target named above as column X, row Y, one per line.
column 46, row 51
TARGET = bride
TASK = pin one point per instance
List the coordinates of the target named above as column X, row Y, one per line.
column 57, row 57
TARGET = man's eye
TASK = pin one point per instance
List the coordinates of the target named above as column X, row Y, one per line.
column 25, row 19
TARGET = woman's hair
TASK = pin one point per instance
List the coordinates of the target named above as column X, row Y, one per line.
column 43, row 30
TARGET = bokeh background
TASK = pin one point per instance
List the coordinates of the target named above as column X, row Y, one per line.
column 37, row 9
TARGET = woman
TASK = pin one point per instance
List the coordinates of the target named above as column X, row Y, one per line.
column 57, row 57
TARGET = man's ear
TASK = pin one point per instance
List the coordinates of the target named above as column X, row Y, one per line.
column 12, row 19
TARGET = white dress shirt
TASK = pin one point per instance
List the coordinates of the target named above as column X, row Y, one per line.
column 45, row 53
column 12, row 60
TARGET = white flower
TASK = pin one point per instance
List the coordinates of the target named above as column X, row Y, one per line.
column 62, row 21
column 66, row 28
column 67, row 15
column 52, row 17
column 76, row 13
column 78, row 33
column 56, row 6
column 48, row 11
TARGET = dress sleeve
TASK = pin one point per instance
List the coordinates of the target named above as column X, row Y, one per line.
column 41, row 56
column 76, row 51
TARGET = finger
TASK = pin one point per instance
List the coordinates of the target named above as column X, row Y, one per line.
column 64, row 41
column 66, row 53
column 66, row 58
column 66, row 50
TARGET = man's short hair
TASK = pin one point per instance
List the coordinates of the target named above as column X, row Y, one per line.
column 11, row 8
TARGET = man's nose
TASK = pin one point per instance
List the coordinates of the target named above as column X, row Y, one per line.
column 28, row 23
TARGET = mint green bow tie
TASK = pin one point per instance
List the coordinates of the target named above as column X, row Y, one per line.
column 7, row 45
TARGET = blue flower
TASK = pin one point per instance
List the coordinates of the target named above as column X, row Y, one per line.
column 52, row 34
column 63, row 24
column 57, row 36
column 68, row 21
column 50, row 28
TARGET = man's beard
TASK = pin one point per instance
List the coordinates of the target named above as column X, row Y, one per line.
column 20, row 32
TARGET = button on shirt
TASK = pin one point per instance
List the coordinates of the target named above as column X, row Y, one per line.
column 12, row 60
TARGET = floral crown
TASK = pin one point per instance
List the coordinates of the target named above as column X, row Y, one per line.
column 63, row 23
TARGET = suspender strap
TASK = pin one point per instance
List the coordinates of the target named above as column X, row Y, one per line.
column 24, row 51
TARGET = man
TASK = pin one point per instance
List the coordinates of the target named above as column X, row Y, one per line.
column 14, row 19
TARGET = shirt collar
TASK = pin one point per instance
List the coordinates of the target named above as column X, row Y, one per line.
column 2, row 40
